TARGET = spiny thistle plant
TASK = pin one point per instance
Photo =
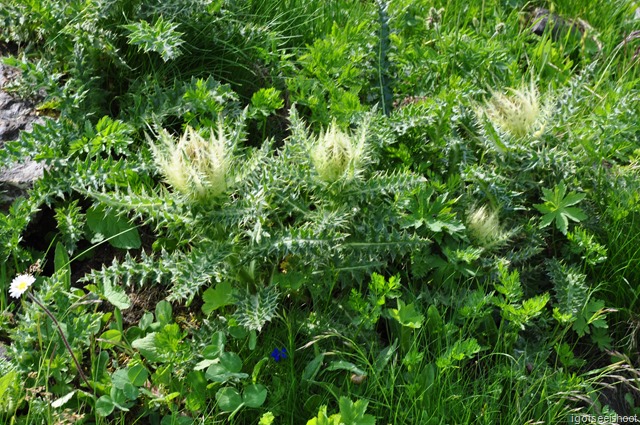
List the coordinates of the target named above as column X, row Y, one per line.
column 194, row 166
column 339, row 156
column 485, row 229
column 518, row 113
column 281, row 208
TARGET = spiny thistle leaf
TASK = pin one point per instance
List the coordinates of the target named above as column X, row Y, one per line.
column 161, row 37
column 254, row 310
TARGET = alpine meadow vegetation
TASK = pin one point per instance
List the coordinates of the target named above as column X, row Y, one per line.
column 323, row 212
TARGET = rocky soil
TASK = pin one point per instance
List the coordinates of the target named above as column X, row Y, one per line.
column 16, row 115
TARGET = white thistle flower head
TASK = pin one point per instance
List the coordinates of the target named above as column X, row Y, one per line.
column 518, row 113
column 20, row 284
column 485, row 229
column 337, row 155
column 194, row 166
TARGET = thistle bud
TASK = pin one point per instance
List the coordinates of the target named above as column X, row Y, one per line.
column 337, row 155
column 484, row 228
column 195, row 166
column 518, row 113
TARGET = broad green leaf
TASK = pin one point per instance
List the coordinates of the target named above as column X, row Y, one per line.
column 204, row 364
column 384, row 356
column 216, row 348
column 311, row 370
column 146, row 320
column 344, row 365
column 256, row 369
column 116, row 295
column 176, row 419
column 62, row 400
column 228, row 399
column 104, row 406
column 130, row 391
column 254, row 395
column 434, row 320
column 6, row 381
column 228, row 368
column 120, row 378
column 107, row 225
column 164, row 312
column 138, row 375
column 148, row 347
column 110, row 337
column 231, row 361
column 119, row 399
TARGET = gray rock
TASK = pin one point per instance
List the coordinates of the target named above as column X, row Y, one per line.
column 3, row 352
column 16, row 115
column 571, row 31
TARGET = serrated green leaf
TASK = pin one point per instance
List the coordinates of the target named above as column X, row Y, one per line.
column 572, row 199
column 557, row 207
column 575, row 214
column 407, row 315
column 355, row 413
column 215, row 298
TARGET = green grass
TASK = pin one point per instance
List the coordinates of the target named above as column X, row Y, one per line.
column 394, row 301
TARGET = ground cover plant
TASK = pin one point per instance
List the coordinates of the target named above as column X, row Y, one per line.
column 323, row 212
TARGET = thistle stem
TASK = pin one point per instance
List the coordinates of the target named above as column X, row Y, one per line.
column 64, row 339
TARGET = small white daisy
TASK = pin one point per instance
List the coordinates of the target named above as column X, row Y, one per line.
column 20, row 284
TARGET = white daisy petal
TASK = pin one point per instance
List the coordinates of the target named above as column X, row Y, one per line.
column 20, row 284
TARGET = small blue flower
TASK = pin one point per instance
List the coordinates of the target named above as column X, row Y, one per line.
column 278, row 354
